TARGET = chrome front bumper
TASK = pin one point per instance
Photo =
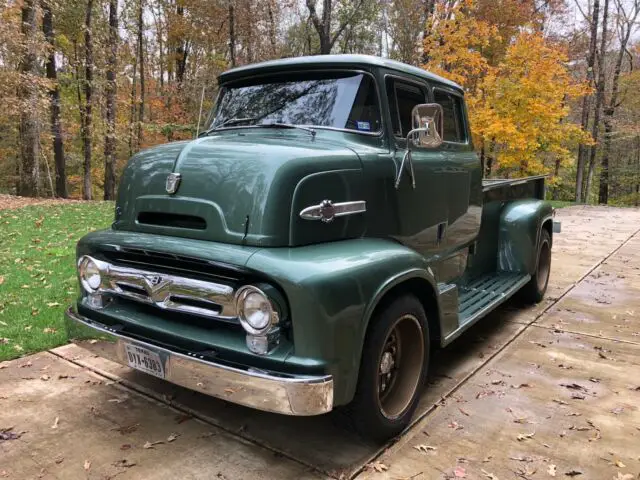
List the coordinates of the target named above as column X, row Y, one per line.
column 269, row 391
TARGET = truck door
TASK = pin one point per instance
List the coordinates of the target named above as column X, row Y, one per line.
column 422, row 212
column 464, row 182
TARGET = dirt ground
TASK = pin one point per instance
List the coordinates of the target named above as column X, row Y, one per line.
column 549, row 391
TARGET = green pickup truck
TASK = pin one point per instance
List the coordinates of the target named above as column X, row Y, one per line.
column 324, row 233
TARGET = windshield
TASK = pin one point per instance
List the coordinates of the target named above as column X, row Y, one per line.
column 345, row 100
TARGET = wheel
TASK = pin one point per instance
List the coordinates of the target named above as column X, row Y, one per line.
column 392, row 370
column 534, row 291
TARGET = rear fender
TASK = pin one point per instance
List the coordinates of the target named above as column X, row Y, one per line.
column 521, row 223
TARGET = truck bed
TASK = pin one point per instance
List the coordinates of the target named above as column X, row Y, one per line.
column 513, row 188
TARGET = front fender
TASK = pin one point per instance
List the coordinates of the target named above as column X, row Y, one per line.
column 332, row 290
column 520, row 226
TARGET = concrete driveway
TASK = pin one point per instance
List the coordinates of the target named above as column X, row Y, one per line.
column 552, row 390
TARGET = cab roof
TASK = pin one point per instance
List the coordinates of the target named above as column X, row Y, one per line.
column 332, row 61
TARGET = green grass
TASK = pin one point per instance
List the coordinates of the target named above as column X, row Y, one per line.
column 37, row 271
column 560, row 203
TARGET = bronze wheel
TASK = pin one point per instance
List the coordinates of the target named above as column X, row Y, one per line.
column 393, row 367
column 400, row 366
column 544, row 266
column 534, row 291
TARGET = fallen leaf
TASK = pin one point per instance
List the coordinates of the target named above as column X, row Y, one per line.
column 573, row 386
column 525, row 436
column 4, row 341
column 87, row 465
column 623, row 476
column 49, row 330
column 8, row 434
column 522, row 459
column 377, row 467
column 53, row 304
column 148, row 445
column 464, row 412
column 573, row 473
column 425, row 448
column 1, row 279
column 522, row 385
column 490, row 476
column 127, row 428
column 459, row 472
column 455, row 425
column 552, row 470
column 172, row 437
column 55, row 422
column 45, row 377
column 619, row 464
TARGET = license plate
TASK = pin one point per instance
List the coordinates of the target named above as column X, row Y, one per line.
column 144, row 360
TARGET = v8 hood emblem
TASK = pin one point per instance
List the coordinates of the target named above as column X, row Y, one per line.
column 172, row 183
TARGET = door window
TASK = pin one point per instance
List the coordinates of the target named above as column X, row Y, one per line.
column 453, row 125
column 402, row 98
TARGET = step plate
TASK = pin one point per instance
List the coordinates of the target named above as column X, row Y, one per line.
column 487, row 292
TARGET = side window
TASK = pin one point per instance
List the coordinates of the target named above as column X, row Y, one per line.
column 402, row 98
column 453, row 126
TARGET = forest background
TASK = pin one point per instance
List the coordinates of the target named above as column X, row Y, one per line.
column 551, row 85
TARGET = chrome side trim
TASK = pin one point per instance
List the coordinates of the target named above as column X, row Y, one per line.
column 265, row 390
column 326, row 210
column 169, row 292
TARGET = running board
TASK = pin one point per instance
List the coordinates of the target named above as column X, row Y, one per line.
column 484, row 294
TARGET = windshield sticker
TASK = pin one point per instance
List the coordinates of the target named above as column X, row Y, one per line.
column 364, row 126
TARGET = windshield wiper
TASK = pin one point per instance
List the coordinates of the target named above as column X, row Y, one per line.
column 286, row 125
column 228, row 122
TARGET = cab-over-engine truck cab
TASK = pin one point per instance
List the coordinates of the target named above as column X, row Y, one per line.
column 307, row 251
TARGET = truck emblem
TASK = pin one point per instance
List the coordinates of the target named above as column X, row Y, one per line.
column 326, row 210
column 154, row 280
column 173, row 181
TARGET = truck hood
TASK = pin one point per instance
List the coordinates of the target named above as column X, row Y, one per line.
column 244, row 187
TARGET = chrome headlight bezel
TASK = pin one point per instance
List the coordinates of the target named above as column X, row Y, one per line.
column 270, row 311
column 88, row 279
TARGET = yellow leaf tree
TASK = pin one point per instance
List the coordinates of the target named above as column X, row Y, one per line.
column 517, row 101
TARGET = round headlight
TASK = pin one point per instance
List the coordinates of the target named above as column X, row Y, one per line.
column 254, row 310
column 89, row 274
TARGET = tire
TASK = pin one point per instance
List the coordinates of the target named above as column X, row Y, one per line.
column 534, row 290
column 393, row 369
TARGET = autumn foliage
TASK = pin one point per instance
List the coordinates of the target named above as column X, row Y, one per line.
column 517, row 96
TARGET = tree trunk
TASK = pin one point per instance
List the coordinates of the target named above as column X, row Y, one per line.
column 88, row 94
column 609, row 112
column 28, row 93
column 323, row 27
column 54, row 97
column 599, row 99
column 181, row 48
column 429, row 8
column 586, row 103
column 272, row 28
column 133, row 102
column 141, row 69
column 232, row 35
column 111, row 88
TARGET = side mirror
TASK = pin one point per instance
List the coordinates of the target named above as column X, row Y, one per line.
column 426, row 132
column 427, row 125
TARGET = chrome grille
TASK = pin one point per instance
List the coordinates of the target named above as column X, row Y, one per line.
column 169, row 292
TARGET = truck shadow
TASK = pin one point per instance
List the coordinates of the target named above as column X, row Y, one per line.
column 326, row 443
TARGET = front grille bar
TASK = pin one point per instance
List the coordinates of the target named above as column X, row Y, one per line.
column 169, row 292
